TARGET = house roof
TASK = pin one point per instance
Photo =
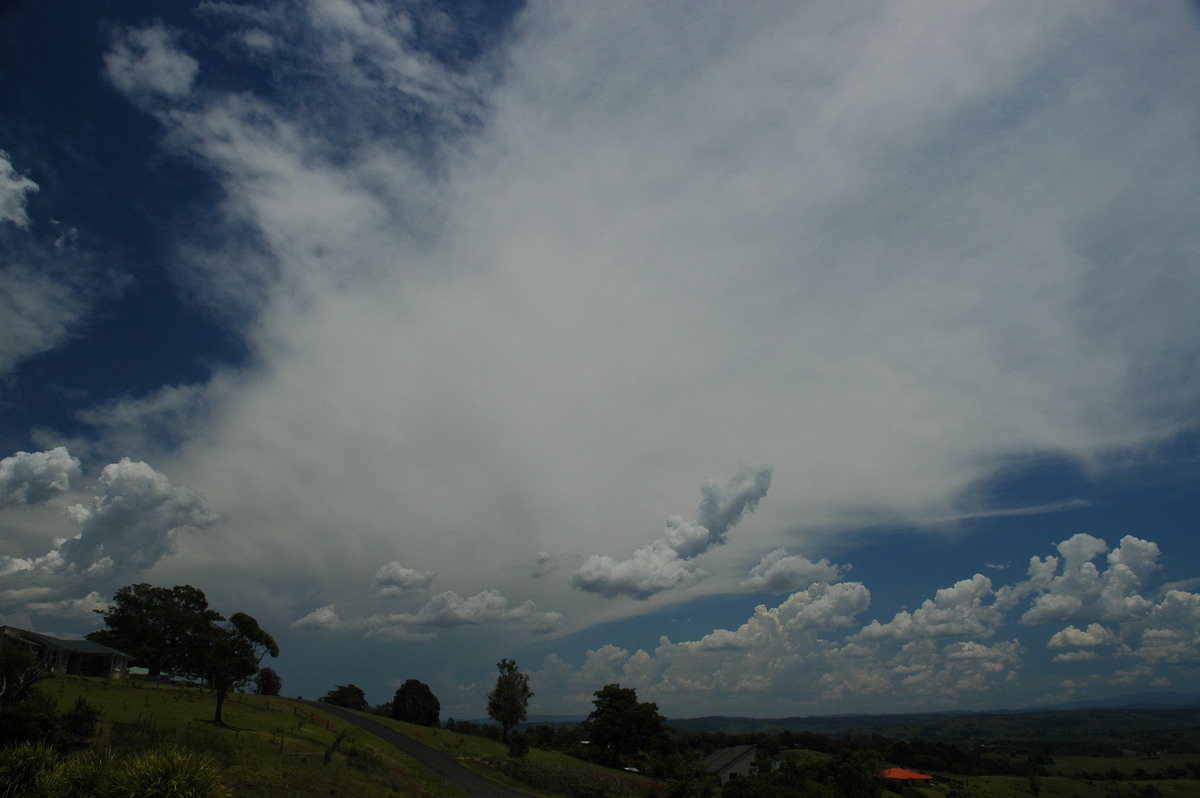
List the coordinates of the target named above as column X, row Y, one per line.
column 723, row 758
column 905, row 774
column 78, row 646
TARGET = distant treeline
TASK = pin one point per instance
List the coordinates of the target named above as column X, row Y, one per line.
column 1026, row 756
column 1083, row 732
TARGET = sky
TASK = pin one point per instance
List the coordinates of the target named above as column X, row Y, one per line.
column 770, row 358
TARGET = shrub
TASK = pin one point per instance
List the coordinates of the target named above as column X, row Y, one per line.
column 80, row 720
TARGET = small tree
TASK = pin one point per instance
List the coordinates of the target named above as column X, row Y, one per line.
column 346, row 695
column 509, row 698
column 233, row 651
column 415, row 703
column 620, row 724
column 267, row 682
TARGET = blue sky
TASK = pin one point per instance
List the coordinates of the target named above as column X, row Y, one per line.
column 773, row 359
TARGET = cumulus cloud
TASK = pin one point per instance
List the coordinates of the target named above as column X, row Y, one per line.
column 956, row 611
column 13, row 190
column 395, row 580
column 666, row 563
column 35, row 477
column 1094, row 635
column 1081, row 591
column 133, row 522
column 780, row 572
column 147, row 63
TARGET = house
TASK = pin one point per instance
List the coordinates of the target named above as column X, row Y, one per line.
column 729, row 763
column 73, row 657
column 905, row 775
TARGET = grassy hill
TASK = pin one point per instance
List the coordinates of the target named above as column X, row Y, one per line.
column 269, row 747
column 272, row 747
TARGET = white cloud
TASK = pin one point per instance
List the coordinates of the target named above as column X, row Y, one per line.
column 133, row 522
column 48, row 285
column 780, row 572
column 449, row 609
column 652, row 569
column 13, row 190
column 320, row 618
column 445, row 610
column 666, row 563
column 1084, row 592
column 83, row 609
column 1094, row 635
column 147, row 63
column 35, row 477
column 395, row 580
column 956, row 611
column 636, row 246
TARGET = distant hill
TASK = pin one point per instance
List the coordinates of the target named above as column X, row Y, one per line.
column 1148, row 721
column 1161, row 700
column 1155, row 721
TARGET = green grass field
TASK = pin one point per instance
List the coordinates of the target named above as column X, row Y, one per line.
column 270, row 747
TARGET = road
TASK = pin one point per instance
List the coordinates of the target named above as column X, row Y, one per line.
column 441, row 763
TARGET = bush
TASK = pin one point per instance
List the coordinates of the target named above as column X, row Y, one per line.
column 80, row 720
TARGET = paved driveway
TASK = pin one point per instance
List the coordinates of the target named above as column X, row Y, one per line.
column 441, row 763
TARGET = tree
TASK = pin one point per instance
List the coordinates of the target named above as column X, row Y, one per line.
column 267, row 682
column 620, row 724
column 509, row 698
column 346, row 695
column 159, row 627
column 174, row 630
column 415, row 703
column 233, row 651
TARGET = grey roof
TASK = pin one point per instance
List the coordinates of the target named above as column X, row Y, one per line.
column 718, row 760
column 78, row 646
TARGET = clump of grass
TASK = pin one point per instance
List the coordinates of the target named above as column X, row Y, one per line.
column 24, row 766
column 84, row 775
column 170, row 772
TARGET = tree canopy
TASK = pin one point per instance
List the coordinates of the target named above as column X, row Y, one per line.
column 620, row 724
column 349, row 696
column 267, row 682
column 159, row 627
column 414, row 702
column 508, row 700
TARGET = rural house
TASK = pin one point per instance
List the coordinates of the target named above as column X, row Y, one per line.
column 729, row 763
column 73, row 657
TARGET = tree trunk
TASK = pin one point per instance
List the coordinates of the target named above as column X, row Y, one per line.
column 220, row 690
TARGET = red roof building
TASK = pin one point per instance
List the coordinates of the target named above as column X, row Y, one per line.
column 903, row 774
